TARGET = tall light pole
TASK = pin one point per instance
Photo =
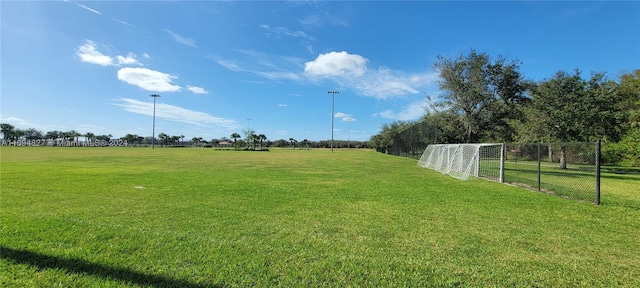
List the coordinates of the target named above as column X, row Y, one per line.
column 333, row 94
column 153, row 131
column 248, row 124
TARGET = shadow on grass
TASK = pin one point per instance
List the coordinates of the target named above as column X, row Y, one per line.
column 80, row 266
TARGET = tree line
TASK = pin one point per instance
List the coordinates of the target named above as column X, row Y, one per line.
column 490, row 100
column 10, row 133
column 253, row 141
column 250, row 141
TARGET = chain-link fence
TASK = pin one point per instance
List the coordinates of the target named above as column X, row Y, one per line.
column 412, row 141
column 568, row 170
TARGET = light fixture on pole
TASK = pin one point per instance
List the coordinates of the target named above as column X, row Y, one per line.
column 333, row 94
column 153, row 131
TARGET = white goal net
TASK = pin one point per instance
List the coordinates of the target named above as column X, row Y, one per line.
column 464, row 160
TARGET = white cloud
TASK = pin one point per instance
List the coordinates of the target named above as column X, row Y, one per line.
column 336, row 64
column 88, row 8
column 130, row 59
column 19, row 122
column 384, row 83
column 229, row 65
column 174, row 113
column 311, row 20
column 121, row 22
column 280, row 31
column 321, row 18
column 278, row 75
column 345, row 117
column 413, row 111
column 197, row 90
column 88, row 52
column 349, row 71
column 263, row 65
column 181, row 39
column 148, row 79
column 282, row 105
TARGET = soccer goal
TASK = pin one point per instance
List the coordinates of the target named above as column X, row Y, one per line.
column 460, row 161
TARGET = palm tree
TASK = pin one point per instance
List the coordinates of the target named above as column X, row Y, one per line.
column 182, row 137
column 261, row 137
column 235, row 136
column 194, row 140
column 73, row 134
column 293, row 142
column 174, row 139
column 89, row 136
column 305, row 142
column 163, row 137
column 53, row 135
column 255, row 138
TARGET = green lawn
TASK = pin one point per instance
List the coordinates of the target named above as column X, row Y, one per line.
column 189, row 217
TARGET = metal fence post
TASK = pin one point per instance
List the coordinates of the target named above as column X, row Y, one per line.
column 539, row 167
column 597, row 200
column 502, row 154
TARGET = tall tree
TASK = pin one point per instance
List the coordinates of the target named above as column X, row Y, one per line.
column 567, row 108
column 73, row 135
column 629, row 146
column 163, row 137
column 7, row 131
column 53, row 135
column 104, row 137
column 17, row 133
column 249, row 137
column 33, row 134
column 629, row 91
column 261, row 138
column 90, row 136
column 484, row 93
column 235, row 137
column 293, row 142
column 384, row 139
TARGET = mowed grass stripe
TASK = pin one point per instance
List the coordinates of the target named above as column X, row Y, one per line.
column 206, row 218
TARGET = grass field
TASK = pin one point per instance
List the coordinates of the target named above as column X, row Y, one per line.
column 187, row 217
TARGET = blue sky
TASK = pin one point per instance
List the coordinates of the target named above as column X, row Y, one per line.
column 222, row 67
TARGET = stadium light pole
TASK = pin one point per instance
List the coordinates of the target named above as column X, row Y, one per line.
column 153, row 131
column 333, row 94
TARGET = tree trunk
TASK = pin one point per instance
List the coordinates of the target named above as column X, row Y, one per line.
column 563, row 159
column 550, row 154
